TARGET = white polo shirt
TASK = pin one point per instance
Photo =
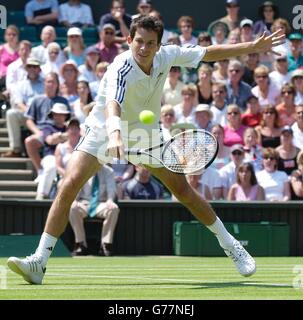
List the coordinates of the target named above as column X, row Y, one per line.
column 125, row 83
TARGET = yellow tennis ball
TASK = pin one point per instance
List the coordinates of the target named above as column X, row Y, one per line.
column 147, row 117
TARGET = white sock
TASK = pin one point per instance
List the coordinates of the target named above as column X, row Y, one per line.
column 46, row 246
column 224, row 237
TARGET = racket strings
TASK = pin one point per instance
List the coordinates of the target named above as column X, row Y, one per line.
column 189, row 152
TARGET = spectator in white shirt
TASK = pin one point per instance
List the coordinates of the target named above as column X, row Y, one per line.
column 265, row 90
column 218, row 106
column 16, row 71
column 228, row 173
column 73, row 13
column 186, row 26
column 185, row 111
column 297, row 127
column 48, row 35
column 274, row 182
column 173, row 87
column 280, row 75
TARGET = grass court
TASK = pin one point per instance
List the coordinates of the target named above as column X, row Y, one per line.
column 159, row 277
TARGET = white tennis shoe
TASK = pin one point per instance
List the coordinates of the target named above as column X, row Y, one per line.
column 30, row 268
column 244, row 262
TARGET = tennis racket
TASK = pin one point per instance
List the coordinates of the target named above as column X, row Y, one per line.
column 188, row 152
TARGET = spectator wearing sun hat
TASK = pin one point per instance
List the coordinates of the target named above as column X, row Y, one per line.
column 297, row 81
column 37, row 116
column 52, row 134
column 295, row 57
column 75, row 49
column 246, row 30
column 203, row 117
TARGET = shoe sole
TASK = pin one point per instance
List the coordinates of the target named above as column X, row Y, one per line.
column 15, row 268
column 249, row 274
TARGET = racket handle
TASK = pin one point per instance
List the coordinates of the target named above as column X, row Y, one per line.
column 133, row 151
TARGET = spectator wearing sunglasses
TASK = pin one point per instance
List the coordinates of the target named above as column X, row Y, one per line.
column 53, row 60
column 269, row 128
column 274, row 182
column 265, row 90
column 280, row 75
column 109, row 49
column 234, row 129
column 238, row 91
column 286, row 108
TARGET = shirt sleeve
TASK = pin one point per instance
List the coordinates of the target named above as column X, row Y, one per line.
column 188, row 56
column 28, row 12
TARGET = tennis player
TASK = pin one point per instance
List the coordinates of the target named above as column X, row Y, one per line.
column 132, row 83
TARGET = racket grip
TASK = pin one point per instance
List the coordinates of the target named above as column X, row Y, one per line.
column 132, row 151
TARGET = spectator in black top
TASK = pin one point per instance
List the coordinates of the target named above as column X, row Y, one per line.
column 119, row 19
column 287, row 152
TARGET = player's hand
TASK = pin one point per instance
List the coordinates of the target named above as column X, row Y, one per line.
column 115, row 147
column 266, row 42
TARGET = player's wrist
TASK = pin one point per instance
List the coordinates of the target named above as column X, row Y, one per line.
column 113, row 124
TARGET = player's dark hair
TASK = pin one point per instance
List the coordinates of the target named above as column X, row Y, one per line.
column 147, row 23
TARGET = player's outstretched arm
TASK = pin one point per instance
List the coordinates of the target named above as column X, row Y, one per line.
column 262, row 44
column 115, row 147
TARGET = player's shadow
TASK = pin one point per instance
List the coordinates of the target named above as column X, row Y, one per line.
column 233, row 284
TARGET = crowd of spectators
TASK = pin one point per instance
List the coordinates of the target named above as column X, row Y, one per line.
column 253, row 104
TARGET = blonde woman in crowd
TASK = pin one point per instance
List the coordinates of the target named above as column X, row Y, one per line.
column 75, row 49
column 185, row 111
column 266, row 91
column 167, row 119
column 246, row 188
column 220, row 73
column 173, row 87
column 204, row 84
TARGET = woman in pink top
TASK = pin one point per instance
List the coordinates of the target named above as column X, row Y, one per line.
column 9, row 50
column 247, row 187
column 234, row 130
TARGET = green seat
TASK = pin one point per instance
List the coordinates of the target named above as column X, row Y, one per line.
column 90, row 35
column 28, row 33
column 2, row 35
column 17, row 18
